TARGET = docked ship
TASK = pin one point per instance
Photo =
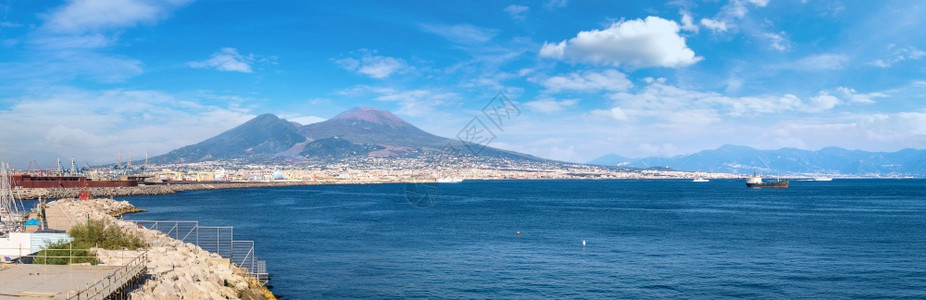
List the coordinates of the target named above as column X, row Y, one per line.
column 755, row 181
column 60, row 181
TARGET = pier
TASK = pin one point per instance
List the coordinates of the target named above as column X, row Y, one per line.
column 170, row 268
column 71, row 281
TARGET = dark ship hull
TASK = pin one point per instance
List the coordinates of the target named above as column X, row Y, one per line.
column 783, row 184
column 29, row 181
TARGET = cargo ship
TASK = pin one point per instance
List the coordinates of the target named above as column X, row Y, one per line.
column 56, row 181
column 755, row 181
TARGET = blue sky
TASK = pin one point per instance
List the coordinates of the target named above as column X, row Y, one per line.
column 89, row 78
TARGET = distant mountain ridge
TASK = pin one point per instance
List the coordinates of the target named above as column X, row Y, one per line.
column 742, row 160
column 358, row 132
column 252, row 140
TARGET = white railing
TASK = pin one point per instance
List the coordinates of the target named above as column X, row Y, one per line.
column 215, row 239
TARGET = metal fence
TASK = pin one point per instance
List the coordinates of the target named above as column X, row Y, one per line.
column 215, row 239
column 113, row 285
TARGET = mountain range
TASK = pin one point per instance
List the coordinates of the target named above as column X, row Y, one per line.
column 791, row 161
column 358, row 132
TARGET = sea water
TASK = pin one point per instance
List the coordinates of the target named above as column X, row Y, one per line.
column 642, row 238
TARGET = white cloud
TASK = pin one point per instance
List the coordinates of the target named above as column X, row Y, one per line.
column 517, row 12
column 714, row 25
column 70, row 42
column 671, row 104
column 778, row 41
column 93, row 126
column 616, row 114
column 416, row 103
column 898, row 55
column 548, row 105
column 79, row 16
column 738, row 8
column 588, row 82
column 688, row 23
column 226, row 60
column 651, row 42
column 372, row 65
column 553, row 50
column 856, row 97
column 822, row 102
column 820, row 62
column 461, row 33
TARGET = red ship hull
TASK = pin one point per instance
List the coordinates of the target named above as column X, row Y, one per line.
column 29, row 181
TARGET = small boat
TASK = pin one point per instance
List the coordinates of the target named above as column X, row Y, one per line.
column 449, row 180
column 755, row 181
column 700, row 179
column 822, row 178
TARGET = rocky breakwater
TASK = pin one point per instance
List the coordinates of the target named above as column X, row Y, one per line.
column 176, row 270
column 143, row 190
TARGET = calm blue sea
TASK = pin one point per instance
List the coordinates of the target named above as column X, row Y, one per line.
column 644, row 239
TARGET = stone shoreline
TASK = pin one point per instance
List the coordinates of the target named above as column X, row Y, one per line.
column 176, row 270
column 144, row 190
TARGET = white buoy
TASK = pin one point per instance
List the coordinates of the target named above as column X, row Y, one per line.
column 583, row 243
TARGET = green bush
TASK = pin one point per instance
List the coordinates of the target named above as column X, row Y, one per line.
column 63, row 253
column 93, row 234
column 101, row 234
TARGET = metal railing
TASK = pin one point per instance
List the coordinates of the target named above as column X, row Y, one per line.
column 215, row 239
column 117, row 281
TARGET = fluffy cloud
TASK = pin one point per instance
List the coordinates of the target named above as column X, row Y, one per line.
column 738, row 8
column 778, row 41
column 688, row 22
column 372, row 65
column 90, row 15
column 650, row 42
column 589, row 81
column 714, row 25
column 226, row 60
column 549, row 105
column 517, row 12
column 822, row 102
column 73, row 37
